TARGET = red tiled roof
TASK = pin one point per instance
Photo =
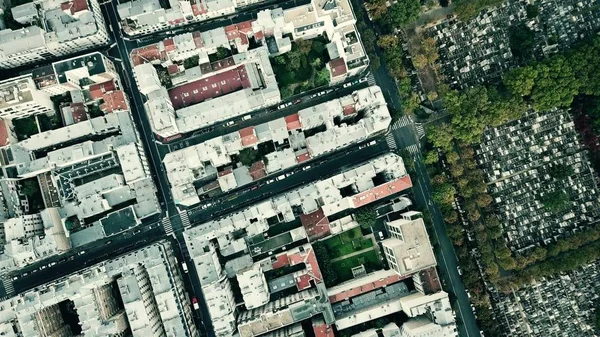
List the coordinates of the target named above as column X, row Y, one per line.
column 199, row 9
column 303, row 157
column 364, row 288
column 282, row 261
column 98, row 89
column 225, row 172
column 146, row 54
column 114, row 101
column 259, row 35
column 338, row 67
column 293, row 122
column 248, row 136
column 316, row 224
column 3, row 133
column 322, row 330
column 381, row 191
column 74, row 6
column 210, row 87
column 79, row 112
column 257, row 170
column 197, row 39
column 169, row 44
column 172, row 69
column 349, row 110
column 431, row 281
column 303, row 282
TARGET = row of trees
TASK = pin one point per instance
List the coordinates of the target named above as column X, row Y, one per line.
column 462, row 178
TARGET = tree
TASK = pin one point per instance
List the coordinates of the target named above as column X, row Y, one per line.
column 444, row 194
column 369, row 40
column 532, row 11
column 521, row 41
column 248, row 156
column 430, row 50
column 411, row 104
column 451, row 216
column 555, row 201
column 495, row 232
column 376, row 8
column 375, row 62
column 456, row 171
column 387, row 41
column 452, row 157
column 25, row 127
column 520, row 81
column 324, row 259
column 30, row 187
column 555, row 85
column 304, row 46
column 222, row 53
column 404, row 12
column 432, row 96
column 322, row 77
column 366, row 217
column 419, row 61
column 560, row 171
column 441, row 136
column 191, row 62
column 483, row 200
column 431, row 157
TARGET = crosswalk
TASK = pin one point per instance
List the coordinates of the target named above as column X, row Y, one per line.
column 8, row 285
column 166, row 222
column 420, row 130
column 185, row 220
column 391, row 141
column 371, row 80
column 400, row 123
column 413, row 149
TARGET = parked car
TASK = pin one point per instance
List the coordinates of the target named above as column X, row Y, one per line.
column 195, row 303
column 381, row 235
column 459, row 270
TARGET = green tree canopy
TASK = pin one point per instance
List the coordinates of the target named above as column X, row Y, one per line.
column 404, row 12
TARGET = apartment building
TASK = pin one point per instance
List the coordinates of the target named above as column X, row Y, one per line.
column 286, row 267
column 335, row 19
column 294, row 139
column 236, row 86
column 408, row 249
column 56, row 29
column 19, row 97
column 140, row 293
column 143, row 17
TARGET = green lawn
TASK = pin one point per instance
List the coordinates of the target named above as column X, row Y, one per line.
column 343, row 268
column 347, row 242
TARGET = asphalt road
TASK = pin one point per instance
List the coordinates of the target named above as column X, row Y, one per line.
column 137, row 109
column 339, row 162
column 448, row 262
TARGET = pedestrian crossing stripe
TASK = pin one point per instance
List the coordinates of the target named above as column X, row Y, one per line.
column 185, row 220
column 166, row 222
column 371, row 79
column 420, row 130
column 400, row 123
column 8, row 285
column 413, row 149
column 391, row 142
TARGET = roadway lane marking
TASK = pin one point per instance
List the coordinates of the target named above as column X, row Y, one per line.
column 429, row 208
column 138, row 105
